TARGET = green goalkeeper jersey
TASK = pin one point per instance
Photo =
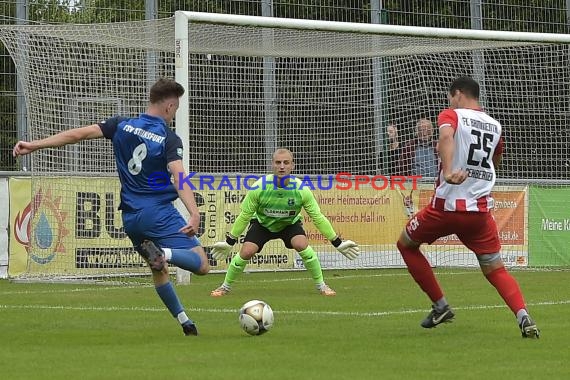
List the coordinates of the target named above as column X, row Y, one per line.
column 276, row 208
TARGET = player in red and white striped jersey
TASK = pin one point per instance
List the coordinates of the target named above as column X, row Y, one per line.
column 477, row 145
column 470, row 148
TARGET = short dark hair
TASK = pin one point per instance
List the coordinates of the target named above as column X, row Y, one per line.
column 165, row 88
column 466, row 85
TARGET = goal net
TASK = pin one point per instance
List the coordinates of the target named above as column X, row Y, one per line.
column 327, row 91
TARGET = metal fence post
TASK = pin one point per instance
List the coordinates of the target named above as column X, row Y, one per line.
column 379, row 95
column 478, row 57
column 151, row 13
column 269, row 96
column 21, row 110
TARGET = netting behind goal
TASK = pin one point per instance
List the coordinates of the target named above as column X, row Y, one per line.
column 74, row 76
column 327, row 96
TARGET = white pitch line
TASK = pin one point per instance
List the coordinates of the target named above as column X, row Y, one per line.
column 76, row 290
column 403, row 274
column 294, row 312
column 246, row 280
column 99, row 288
column 414, row 311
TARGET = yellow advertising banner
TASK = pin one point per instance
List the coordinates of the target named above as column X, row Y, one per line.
column 368, row 216
column 20, row 190
column 510, row 215
column 68, row 226
column 372, row 217
column 219, row 207
column 73, row 226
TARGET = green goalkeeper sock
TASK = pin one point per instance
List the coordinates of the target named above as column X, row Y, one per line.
column 236, row 267
column 312, row 264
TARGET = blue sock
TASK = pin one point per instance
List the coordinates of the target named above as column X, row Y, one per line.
column 168, row 295
column 186, row 259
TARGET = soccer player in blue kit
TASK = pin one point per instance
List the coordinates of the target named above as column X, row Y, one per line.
column 143, row 146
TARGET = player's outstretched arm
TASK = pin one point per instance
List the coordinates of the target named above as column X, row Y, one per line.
column 222, row 249
column 70, row 136
column 348, row 248
column 446, row 146
column 186, row 195
column 498, row 154
column 497, row 159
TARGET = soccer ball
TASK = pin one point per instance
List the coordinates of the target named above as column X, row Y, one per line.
column 256, row 317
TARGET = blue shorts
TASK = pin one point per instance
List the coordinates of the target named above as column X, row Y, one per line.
column 159, row 224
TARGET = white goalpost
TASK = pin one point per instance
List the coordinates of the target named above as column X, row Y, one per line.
column 325, row 90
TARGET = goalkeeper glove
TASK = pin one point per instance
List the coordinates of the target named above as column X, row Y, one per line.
column 348, row 248
column 222, row 249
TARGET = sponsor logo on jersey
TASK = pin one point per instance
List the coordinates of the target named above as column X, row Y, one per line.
column 278, row 213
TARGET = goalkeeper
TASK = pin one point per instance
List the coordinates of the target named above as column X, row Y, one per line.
column 273, row 211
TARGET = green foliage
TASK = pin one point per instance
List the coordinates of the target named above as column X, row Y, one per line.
column 338, row 10
column 105, row 11
column 8, row 11
column 240, row 7
column 50, row 11
column 7, row 113
column 7, row 142
column 539, row 16
column 544, row 16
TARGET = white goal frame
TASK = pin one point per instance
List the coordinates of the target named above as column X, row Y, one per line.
column 183, row 46
column 184, row 19
column 199, row 48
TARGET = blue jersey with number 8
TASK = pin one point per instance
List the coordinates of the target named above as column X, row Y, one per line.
column 143, row 148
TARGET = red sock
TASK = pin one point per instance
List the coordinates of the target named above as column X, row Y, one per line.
column 421, row 271
column 508, row 288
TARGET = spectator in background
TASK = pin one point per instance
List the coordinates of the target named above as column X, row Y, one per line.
column 394, row 149
column 419, row 156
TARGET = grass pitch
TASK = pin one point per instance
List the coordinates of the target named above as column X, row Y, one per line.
column 370, row 330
